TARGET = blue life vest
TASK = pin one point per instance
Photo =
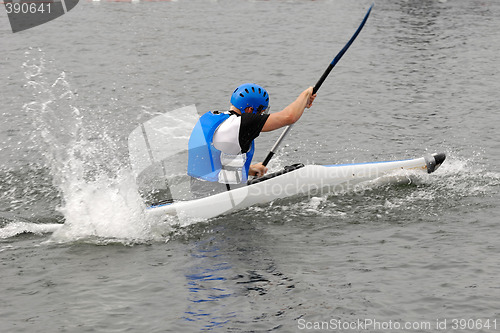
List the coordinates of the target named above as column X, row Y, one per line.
column 204, row 160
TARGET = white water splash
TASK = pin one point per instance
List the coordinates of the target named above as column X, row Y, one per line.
column 103, row 208
column 100, row 199
column 16, row 228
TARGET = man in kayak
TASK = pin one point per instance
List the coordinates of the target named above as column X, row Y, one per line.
column 221, row 145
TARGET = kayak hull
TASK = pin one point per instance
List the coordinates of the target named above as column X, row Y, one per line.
column 309, row 179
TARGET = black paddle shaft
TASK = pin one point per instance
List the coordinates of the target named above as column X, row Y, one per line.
column 320, row 82
column 268, row 158
column 322, row 78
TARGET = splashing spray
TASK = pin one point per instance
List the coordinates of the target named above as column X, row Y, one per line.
column 100, row 201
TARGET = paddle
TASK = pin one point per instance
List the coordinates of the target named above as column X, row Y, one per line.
column 319, row 83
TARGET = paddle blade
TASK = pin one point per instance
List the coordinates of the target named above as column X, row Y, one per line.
column 342, row 52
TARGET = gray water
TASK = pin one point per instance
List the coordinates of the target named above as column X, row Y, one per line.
column 78, row 255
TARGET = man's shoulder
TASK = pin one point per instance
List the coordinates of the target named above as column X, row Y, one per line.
column 250, row 119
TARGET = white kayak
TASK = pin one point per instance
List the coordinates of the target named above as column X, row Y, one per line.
column 292, row 181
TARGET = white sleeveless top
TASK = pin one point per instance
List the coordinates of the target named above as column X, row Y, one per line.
column 226, row 137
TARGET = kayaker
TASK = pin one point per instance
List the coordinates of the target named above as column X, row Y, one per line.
column 221, row 145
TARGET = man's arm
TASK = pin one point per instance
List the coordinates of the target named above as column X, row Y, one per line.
column 291, row 113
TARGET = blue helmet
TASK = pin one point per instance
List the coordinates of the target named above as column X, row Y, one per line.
column 250, row 95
